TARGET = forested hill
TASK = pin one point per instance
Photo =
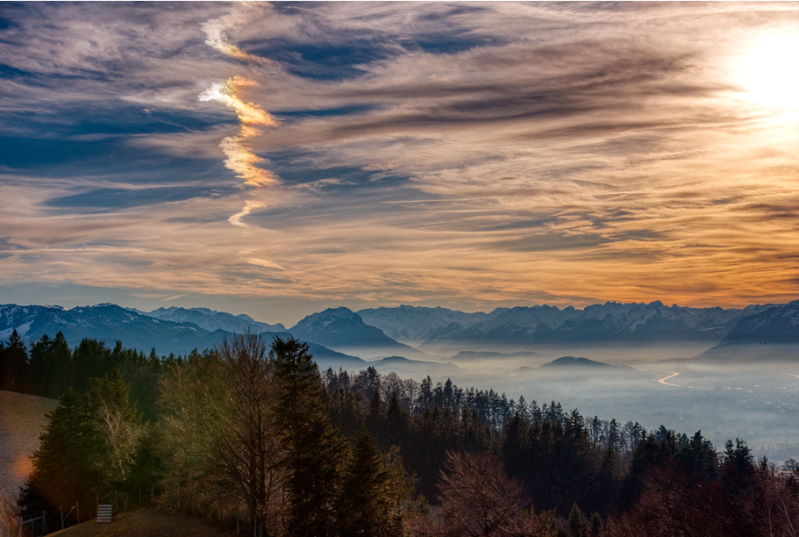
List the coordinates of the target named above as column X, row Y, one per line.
column 258, row 437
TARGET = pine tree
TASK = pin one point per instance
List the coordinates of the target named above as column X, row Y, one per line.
column 63, row 471
column 41, row 365
column 578, row 524
column 595, row 522
column 312, row 446
column 90, row 359
column 62, row 371
column 50, row 361
column 14, row 364
column 362, row 501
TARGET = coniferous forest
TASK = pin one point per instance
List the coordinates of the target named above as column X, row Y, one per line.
column 252, row 436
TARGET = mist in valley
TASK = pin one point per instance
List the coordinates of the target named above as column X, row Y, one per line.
column 654, row 385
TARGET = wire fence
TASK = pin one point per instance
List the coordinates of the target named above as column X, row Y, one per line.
column 33, row 527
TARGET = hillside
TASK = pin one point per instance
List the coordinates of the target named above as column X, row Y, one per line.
column 575, row 367
column 146, row 523
column 22, row 418
column 404, row 366
column 576, row 361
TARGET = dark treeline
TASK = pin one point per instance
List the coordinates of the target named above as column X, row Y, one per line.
column 50, row 368
column 259, row 438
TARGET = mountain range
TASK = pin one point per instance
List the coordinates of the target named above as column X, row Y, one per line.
column 608, row 322
column 345, row 336
column 770, row 334
column 140, row 330
column 211, row 320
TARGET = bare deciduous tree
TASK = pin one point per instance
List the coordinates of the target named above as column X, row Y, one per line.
column 249, row 451
column 479, row 500
column 121, row 434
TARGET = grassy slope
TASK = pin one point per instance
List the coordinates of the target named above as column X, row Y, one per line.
column 145, row 523
column 22, row 418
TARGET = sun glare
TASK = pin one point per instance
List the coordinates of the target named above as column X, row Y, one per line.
column 768, row 72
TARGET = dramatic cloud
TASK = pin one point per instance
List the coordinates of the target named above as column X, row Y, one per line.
column 469, row 155
column 239, row 156
column 216, row 32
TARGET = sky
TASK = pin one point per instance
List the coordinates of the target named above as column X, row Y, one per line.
column 277, row 158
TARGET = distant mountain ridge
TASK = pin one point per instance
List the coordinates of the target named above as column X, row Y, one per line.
column 611, row 321
column 343, row 334
column 418, row 323
column 344, row 329
column 772, row 333
column 776, row 324
column 110, row 323
column 211, row 320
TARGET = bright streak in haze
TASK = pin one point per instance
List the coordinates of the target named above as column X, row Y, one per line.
column 227, row 94
column 665, row 380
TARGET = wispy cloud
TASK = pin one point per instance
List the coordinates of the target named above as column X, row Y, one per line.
column 216, row 34
column 465, row 154
column 249, row 206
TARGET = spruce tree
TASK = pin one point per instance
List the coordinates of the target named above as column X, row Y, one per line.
column 41, row 365
column 64, row 472
column 15, row 364
column 62, row 366
column 363, row 501
column 578, row 524
column 312, row 447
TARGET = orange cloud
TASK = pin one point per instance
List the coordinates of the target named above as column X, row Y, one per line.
column 247, row 112
column 216, row 36
column 240, row 157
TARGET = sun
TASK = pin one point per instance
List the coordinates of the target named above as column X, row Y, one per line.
column 768, row 72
